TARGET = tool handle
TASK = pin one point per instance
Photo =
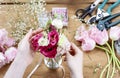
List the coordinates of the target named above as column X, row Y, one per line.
column 113, row 6
column 103, row 4
column 112, row 17
column 113, row 24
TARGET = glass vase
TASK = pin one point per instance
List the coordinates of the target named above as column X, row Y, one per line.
column 53, row 63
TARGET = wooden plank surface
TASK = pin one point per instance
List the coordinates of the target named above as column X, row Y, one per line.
column 91, row 59
column 57, row 1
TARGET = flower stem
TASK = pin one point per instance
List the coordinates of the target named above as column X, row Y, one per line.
column 109, row 66
column 117, row 64
column 103, row 49
column 113, row 71
column 105, row 68
column 109, row 47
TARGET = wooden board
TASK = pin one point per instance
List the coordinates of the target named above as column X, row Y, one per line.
column 57, row 1
column 91, row 59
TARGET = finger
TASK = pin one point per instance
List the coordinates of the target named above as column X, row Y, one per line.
column 65, row 59
column 75, row 48
column 36, row 32
column 27, row 36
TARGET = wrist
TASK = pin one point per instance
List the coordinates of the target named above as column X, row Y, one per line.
column 77, row 75
column 20, row 61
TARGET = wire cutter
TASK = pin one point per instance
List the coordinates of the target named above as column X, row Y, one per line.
column 101, row 13
column 82, row 13
column 106, row 23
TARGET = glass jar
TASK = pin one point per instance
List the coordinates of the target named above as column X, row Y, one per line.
column 53, row 63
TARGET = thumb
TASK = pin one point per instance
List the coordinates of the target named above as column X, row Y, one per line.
column 75, row 48
column 27, row 36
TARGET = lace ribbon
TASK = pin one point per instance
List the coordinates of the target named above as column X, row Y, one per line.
column 38, row 65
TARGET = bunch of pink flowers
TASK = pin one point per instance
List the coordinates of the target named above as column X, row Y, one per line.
column 7, row 51
column 51, row 42
column 93, row 37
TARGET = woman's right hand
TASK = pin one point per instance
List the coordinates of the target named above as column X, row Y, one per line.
column 75, row 61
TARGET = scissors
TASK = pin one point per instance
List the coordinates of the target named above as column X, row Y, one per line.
column 101, row 13
column 106, row 23
column 82, row 13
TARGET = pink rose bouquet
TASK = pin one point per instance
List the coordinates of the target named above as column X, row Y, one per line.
column 93, row 37
column 7, row 51
column 49, row 41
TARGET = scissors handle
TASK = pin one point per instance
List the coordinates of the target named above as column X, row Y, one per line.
column 112, row 17
column 113, row 24
column 113, row 6
column 103, row 4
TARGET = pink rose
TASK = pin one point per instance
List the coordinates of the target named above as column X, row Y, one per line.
column 34, row 41
column 10, row 42
column 10, row 54
column 100, row 37
column 80, row 33
column 53, row 37
column 114, row 33
column 3, row 36
column 2, row 59
column 49, row 51
column 2, row 49
column 88, row 44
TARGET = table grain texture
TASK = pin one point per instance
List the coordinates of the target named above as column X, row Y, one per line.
column 91, row 59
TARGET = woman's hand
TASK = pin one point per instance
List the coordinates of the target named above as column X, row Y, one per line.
column 25, row 51
column 75, row 61
column 24, row 57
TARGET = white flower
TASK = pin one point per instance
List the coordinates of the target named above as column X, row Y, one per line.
column 114, row 33
column 63, row 44
column 57, row 23
column 43, row 41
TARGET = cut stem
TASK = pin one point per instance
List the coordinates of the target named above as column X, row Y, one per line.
column 103, row 49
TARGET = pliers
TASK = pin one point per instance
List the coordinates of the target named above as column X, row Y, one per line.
column 82, row 13
column 106, row 22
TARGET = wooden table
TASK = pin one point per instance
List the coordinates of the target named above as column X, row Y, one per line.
column 91, row 60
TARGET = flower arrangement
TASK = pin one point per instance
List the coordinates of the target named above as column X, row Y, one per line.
column 51, row 42
column 7, row 51
column 93, row 37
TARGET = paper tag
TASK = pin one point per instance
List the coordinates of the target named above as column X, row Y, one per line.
column 61, row 13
